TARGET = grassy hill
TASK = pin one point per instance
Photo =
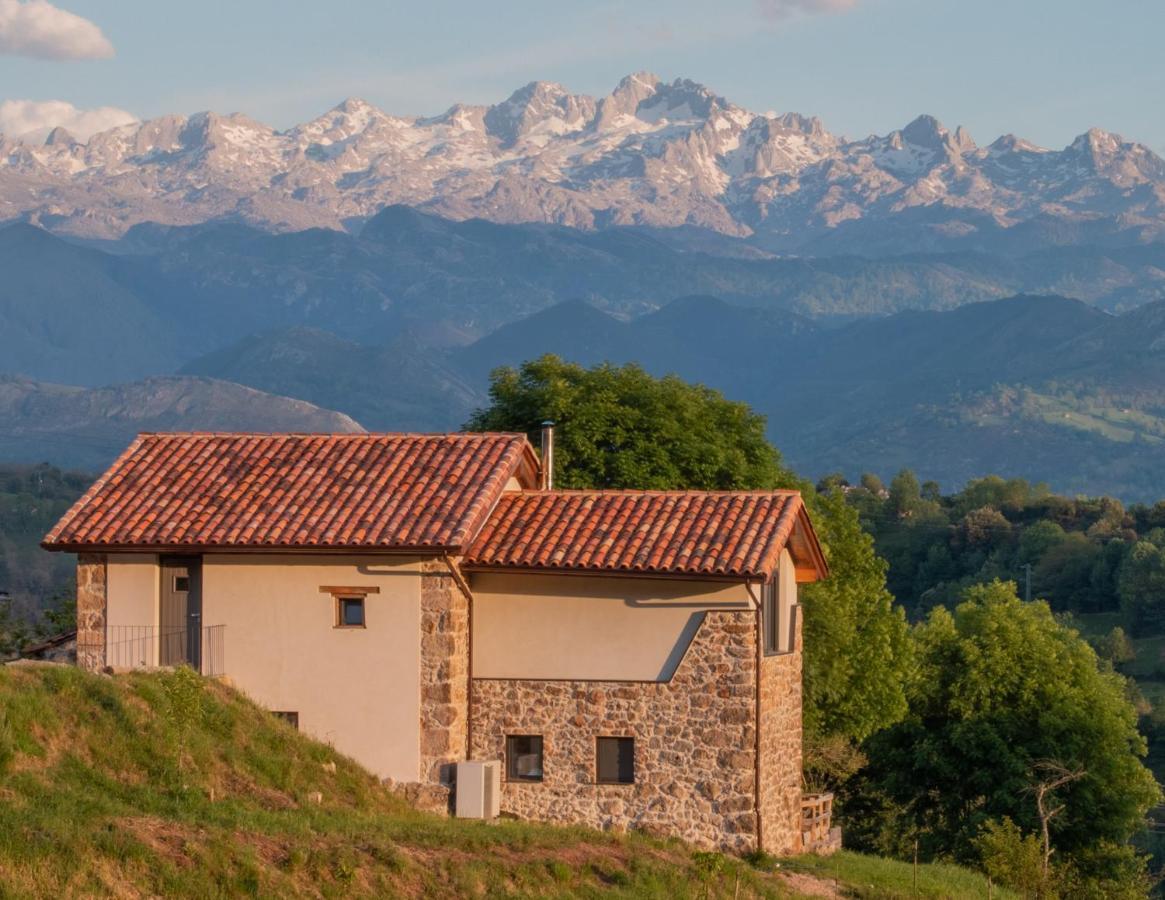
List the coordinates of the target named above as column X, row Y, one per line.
column 168, row 784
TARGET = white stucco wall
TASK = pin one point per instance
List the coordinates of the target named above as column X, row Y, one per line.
column 588, row 627
column 357, row 688
column 132, row 609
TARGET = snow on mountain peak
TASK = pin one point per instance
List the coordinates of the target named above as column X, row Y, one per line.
column 651, row 152
column 542, row 108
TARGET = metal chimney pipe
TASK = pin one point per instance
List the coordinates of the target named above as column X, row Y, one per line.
column 547, row 455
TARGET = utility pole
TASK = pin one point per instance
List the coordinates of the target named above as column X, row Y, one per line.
column 1027, row 593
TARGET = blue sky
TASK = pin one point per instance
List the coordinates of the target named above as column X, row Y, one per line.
column 1043, row 69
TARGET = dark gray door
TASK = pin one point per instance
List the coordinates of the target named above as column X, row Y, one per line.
column 180, row 640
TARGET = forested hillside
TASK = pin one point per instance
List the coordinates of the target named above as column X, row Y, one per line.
column 1099, row 565
column 32, row 499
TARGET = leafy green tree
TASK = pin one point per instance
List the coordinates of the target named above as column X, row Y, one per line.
column 621, row 428
column 984, row 527
column 931, row 492
column 1003, row 494
column 1037, row 539
column 1115, row 647
column 14, row 632
column 857, row 647
column 1063, row 575
column 905, row 494
column 999, row 688
column 1141, row 585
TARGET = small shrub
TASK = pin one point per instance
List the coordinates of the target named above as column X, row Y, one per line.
column 559, row 871
column 708, row 865
column 1012, row 858
column 344, row 868
column 183, row 689
column 758, row 859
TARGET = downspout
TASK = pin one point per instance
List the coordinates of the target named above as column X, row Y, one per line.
column 464, row 587
column 757, row 712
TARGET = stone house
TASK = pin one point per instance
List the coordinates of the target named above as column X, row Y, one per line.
column 632, row 658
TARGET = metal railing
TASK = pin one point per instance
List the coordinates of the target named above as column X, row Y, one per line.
column 150, row 647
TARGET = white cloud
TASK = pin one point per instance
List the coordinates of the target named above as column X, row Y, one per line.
column 32, row 120
column 784, row 9
column 37, row 28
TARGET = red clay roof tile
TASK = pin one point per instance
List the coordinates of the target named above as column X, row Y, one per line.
column 736, row 534
column 366, row 491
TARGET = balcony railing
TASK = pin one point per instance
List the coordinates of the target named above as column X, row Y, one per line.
column 151, row 647
column 818, row 835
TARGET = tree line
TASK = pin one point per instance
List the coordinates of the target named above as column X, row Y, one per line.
column 1083, row 555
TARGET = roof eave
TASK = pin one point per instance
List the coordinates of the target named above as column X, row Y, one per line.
column 817, row 567
column 657, row 574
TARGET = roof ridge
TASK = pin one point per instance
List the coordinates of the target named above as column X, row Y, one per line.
column 651, row 492
column 337, row 434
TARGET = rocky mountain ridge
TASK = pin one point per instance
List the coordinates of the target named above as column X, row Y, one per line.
column 651, row 153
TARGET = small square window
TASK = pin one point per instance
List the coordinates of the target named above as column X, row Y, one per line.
column 524, row 757
column 181, row 584
column 615, row 761
column 291, row 718
column 350, row 612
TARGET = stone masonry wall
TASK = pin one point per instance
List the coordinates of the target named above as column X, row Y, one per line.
column 780, row 750
column 444, row 673
column 695, row 743
column 92, row 578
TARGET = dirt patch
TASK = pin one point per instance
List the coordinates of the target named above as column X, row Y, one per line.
column 577, row 856
column 234, row 784
column 811, row 885
column 167, row 839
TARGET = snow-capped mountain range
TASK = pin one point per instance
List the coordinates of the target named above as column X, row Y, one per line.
column 650, row 153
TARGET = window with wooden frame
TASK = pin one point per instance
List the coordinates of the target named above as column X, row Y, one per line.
column 615, row 760
column 350, row 605
column 524, row 757
column 350, row 612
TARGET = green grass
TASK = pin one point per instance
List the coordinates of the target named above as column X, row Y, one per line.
column 1095, row 625
column 871, row 876
column 166, row 784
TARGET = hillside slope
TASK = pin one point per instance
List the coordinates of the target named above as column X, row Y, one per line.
column 397, row 387
column 169, row 784
column 87, row 427
column 66, row 315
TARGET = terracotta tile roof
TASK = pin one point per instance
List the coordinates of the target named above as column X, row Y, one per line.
column 374, row 491
column 688, row 532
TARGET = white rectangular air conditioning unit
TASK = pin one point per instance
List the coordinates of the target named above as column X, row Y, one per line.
column 479, row 789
